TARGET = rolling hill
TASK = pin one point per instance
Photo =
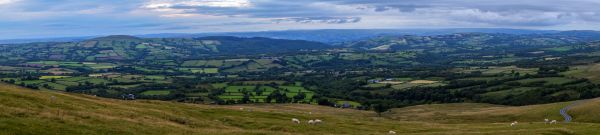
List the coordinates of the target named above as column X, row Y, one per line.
column 123, row 48
column 26, row 111
column 472, row 41
column 319, row 35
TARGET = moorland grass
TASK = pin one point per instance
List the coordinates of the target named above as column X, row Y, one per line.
column 26, row 111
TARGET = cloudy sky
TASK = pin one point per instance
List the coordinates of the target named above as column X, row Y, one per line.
column 60, row 18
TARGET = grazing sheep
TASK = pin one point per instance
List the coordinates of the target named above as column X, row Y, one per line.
column 514, row 124
column 392, row 132
column 311, row 122
column 297, row 121
column 553, row 122
column 318, row 121
column 546, row 121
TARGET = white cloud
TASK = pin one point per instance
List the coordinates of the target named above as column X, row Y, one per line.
column 92, row 17
column 181, row 8
column 162, row 4
column 6, row 2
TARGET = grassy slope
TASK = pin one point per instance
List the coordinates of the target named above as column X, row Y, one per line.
column 25, row 111
column 585, row 71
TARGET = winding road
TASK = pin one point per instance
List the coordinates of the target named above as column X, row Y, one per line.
column 564, row 110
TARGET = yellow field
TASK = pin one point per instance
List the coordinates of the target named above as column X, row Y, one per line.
column 52, row 77
column 423, row 82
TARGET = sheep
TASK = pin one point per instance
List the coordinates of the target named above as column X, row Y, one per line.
column 295, row 120
column 514, row 123
column 546, row 121
column 392, row 132
column 241, row 108
column 553, row 122
column 318, row 121
column 311, row 122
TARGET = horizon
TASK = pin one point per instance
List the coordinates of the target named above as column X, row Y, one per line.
column 31, row 19
column 289, row 30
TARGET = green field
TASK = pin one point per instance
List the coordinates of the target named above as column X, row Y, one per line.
column 236, row 92
column 376, row 85
column 236, row 89
column 585, row 71
column 267, row 88
column 293, row 89
column 547, row 80
column 497, row 70
column 219, row 85
column 156, row 92
column 200, row 70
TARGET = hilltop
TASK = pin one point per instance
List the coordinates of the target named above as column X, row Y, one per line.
column 28, row 111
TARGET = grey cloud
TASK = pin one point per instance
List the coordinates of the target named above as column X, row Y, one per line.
column 328, row 20
column 264, row 9
column 538, row 13
column 492, row 12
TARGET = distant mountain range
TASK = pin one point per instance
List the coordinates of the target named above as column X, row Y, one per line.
column 124, row 47
column 324, row 35
column 471, row 40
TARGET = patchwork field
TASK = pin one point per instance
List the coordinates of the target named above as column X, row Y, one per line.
column 91, row 65
column 497, row 70
column 258, row 94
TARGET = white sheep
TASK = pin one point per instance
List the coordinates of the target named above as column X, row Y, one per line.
column 514, row 123
column 241, row 108
column 546, row 121
column 553, row 122
column 311, row 122
column 297, row 121
column 392, row 132
column 318, row 121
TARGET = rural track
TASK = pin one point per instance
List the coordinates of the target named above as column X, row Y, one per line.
column 563, row 111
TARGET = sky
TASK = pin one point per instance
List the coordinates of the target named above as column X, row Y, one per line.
column 64, row 18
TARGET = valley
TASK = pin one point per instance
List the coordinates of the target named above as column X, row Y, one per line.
column 397, row 71
column 463, row 83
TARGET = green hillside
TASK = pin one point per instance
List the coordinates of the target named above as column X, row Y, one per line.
column 125, row 48
column 26, row 111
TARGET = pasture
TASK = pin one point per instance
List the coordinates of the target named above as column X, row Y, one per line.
column 259, row 93
column 411, row 83
column 585, row 71
column 79, row 115
column 156, row 92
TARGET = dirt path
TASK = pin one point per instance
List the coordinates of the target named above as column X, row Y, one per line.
column 564, row 110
